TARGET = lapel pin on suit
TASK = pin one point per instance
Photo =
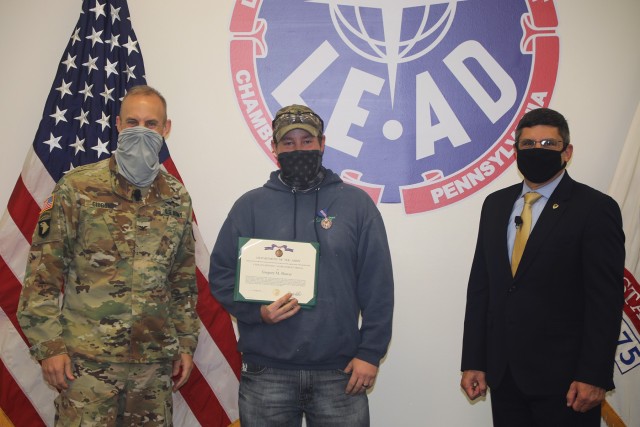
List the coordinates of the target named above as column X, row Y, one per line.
column 556, row 206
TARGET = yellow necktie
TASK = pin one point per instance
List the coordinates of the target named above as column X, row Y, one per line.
column 522, row 233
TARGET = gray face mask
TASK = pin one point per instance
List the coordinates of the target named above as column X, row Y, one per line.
column 137, row 155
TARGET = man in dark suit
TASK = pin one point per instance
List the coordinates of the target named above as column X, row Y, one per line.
column 541, row 326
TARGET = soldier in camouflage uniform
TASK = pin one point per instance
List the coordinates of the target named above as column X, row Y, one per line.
column 117, row 236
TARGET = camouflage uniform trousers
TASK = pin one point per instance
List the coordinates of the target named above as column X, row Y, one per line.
column 116, row 394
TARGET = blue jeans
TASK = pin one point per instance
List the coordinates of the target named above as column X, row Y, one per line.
column 280, row 397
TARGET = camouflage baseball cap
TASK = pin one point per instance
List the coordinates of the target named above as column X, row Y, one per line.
column 296, row 117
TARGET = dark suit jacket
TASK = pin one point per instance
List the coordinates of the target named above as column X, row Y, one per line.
column 558, row 319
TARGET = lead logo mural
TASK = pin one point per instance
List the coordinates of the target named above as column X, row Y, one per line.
column 420, row 97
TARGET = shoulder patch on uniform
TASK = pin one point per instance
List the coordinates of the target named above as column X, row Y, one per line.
column 48, row 204
column 44, row 225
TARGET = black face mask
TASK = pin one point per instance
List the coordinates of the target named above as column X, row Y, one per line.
column 539, row 165
column 301, row 169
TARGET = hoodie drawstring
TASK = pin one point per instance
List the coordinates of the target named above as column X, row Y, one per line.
column 315, row 223
column 295, row 213
column 295, row 216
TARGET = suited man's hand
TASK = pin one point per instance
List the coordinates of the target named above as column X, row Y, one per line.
column 474, row 384
column 582, row 397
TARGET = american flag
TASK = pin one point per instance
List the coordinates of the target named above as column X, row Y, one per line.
column 621, row 407
column 102, row 60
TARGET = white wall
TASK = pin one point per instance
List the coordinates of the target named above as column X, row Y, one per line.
column 185, row 46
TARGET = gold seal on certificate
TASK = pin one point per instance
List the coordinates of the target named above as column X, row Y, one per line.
column 268, row 269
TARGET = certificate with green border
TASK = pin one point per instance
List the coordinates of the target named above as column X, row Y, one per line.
column 268, row 269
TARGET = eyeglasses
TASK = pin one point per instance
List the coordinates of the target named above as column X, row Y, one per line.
column 547, row 144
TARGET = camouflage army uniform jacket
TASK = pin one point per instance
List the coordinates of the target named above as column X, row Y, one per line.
column 127, row 268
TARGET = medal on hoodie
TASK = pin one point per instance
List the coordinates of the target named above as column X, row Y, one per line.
column 326, row 222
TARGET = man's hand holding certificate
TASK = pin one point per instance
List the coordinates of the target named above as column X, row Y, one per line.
column 267, row 270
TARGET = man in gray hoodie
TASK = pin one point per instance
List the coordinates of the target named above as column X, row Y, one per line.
column 319, row 361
